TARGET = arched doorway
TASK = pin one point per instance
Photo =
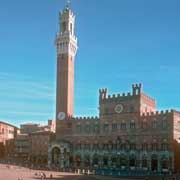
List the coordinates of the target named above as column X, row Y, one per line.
column 144, row 162
column 118, row 161
column 132, row 161
column 71, row 161
column 56, row 156
column 154, row 163
column 105, row 161
column 78, row 160
column 66, row 158
column 123, row 161
column 114, row 161
column 95, row 160
column 164, row 164
column 86, row 160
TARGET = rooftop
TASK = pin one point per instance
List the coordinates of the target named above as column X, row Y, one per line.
column 1, row 122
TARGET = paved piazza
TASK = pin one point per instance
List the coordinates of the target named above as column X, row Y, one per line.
column 19, row 173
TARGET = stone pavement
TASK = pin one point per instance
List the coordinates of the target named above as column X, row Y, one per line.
column 15, row 173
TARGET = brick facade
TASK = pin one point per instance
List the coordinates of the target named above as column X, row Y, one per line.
column 129, row 133
column 8, row 133
column 145, row 139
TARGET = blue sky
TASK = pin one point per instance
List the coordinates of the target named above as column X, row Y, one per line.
column 121, row 42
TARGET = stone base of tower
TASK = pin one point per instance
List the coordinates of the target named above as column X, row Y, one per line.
column 59, row 155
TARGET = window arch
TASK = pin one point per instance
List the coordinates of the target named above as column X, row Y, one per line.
column 164, row 123
column 123, row 125
column 144, row 124
column 71, row 28
column 132, row 124
column 154, row 123
column 63, row 26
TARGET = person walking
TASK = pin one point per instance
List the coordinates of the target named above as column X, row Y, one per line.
column 51, row 176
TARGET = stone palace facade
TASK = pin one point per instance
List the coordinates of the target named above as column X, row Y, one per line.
column 129, row 134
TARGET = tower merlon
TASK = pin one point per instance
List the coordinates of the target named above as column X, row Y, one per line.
column 157, row 113
column 136, row 89
column 103, row 93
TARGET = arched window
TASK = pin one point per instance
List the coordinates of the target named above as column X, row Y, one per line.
column 123, row 125
column 144, row 162
column 106, row 111
column 144, row 124
column 71, row 28
column 154, row 124
column 106, row 127
column 114, row 127
column 164, row 123
column 131, row 109
column 78, row 128
column 132, row 124
column 63, row 27
column 87, row 128
column 145, row 147
column 154, row 147
column 132, row 146
column 164, row 146
column 96, row 128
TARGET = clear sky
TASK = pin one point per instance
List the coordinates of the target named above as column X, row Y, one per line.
column 121, row 42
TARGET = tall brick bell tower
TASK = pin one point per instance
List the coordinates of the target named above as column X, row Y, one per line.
column 66, row 44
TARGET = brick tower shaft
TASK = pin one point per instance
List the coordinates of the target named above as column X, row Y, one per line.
column 66, row 44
